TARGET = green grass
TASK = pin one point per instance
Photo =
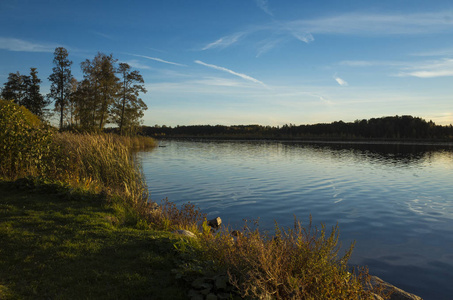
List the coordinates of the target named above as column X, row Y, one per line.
column 66, row 245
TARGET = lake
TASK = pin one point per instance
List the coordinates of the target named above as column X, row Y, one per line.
column 395, row 201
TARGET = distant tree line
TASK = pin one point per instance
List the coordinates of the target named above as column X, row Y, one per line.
column 108, row 93
column 395, row 127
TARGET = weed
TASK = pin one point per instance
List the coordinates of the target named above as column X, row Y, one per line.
column 167, row 216
column 295, row 263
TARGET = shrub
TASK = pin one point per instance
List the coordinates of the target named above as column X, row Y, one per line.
column 25, row 142
column 295, row 263
column 168, row 216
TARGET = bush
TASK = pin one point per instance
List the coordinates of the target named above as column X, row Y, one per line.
column 295, row 263
column 167, row 216
column 25, row 142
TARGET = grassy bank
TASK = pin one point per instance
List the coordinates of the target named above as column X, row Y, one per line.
column 78, row 225
column 58, row 243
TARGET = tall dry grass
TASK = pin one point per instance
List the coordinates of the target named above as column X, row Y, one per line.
column 137, row 142
column 167, row 216
column 101, row 161
column 294, row 263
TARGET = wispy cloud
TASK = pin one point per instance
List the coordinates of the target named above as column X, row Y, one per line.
column 12, row 44
column 268, row 45
column 216, row 81
column 421, row 69
column 367, row 24
column 243, row 76
column 357, row 63
column 159, row 60
column 436, row 52
column 431, row 69
column 158, row 50
column 106, row 36
column 340, row 81
column 136, row 64
column 380, row 24
column 264, row 6
column 225, row 41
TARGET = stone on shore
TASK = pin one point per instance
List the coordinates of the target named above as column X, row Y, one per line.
column 215, row 223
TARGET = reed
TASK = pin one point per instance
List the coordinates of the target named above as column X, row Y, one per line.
column 100, row 161
column 137, row 142
column 167, row 216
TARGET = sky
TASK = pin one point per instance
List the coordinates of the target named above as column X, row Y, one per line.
column 264, row 62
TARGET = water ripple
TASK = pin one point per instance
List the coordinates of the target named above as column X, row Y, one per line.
column 396, row 202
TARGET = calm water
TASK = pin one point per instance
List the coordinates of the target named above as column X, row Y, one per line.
column 395, row 201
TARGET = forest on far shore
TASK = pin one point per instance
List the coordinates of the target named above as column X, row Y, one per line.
column 387, row 128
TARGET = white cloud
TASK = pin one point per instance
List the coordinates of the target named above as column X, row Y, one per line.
column 225, row 41
column 429, row 74
column 18, row 45
column 268, row 45
column 303, row 36
column 136, row 64
column 215, row 81
column 243, row 76
column 106, row 36
column 159, row 60
column 346, row 24
column 381, row 24
column 340, row 81
column 430, row 69
column 263, row 5
column 357, row 63
column 436, row 52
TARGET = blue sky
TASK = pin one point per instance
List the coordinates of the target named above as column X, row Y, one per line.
column 262, row 62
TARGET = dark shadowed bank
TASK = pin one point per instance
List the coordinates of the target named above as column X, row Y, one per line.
column 58, row 242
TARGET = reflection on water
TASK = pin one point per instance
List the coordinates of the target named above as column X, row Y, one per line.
column 394, row 200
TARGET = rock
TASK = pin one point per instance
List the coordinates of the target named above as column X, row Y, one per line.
column 195, row 295
column 221, row 282
column 205, row 292
column 224, row 296
column 397, row 294
column 201, row 283
column 185, row 233
column 198, row 283
column 215, row 223
column 211, row 297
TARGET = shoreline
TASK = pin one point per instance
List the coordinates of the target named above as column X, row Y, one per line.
column 31, row 202
column 408, row 142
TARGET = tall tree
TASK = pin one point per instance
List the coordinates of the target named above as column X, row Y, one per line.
column 60, row 88
column 128, row 110
column 35, row 101
column 72, row 107
column 15, row 88
column 102, row 86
